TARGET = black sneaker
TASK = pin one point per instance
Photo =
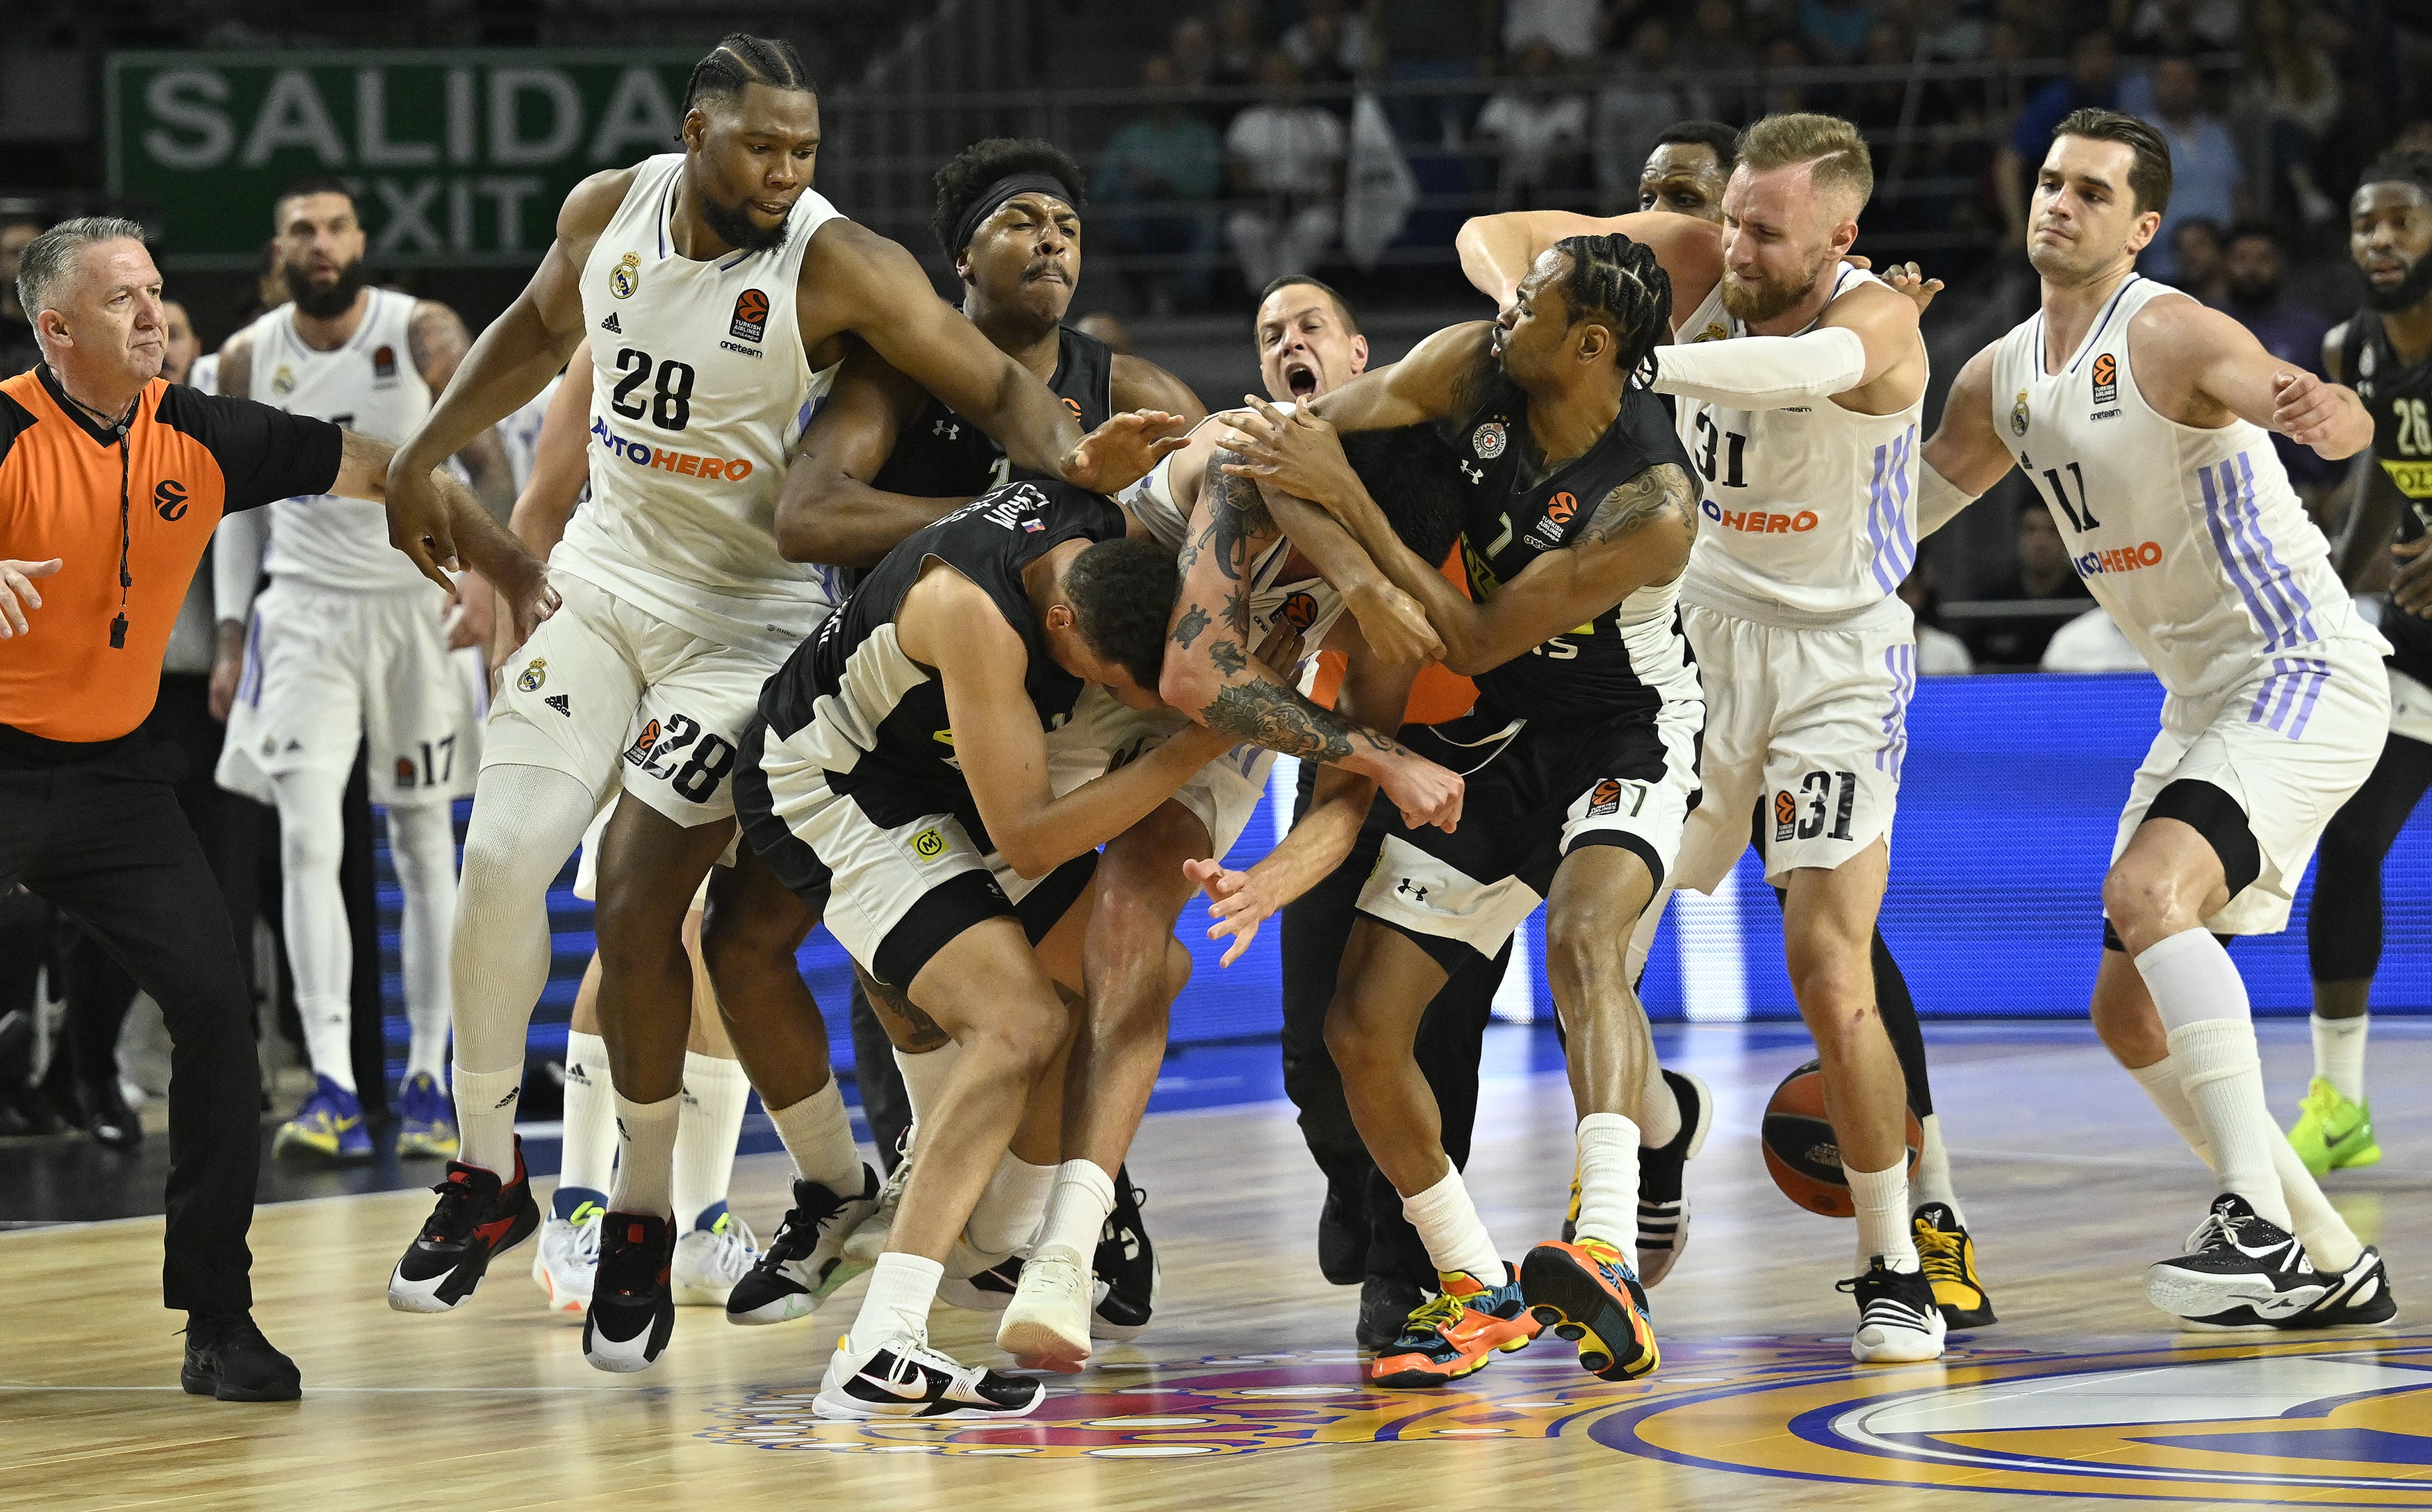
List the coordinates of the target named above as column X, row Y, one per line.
column 1898, row 1321
column 1342, row 1235
column 1385, row 1304
column 633, row 1308
column 227, row 1357
column 2239, row 1270
column 1125, row 1291
column 478, row 1218
column 805, row 1262
column 904, row 1377
column 1663, row 1210
column 108, row 1121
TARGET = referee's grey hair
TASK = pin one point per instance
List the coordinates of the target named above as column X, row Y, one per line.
column 50, row 259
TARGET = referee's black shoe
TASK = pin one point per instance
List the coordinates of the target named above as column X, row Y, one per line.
column 479, row 1217
column 227, row 1357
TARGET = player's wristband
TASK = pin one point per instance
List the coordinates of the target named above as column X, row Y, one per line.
column 1763, row 372
column 1937, row 499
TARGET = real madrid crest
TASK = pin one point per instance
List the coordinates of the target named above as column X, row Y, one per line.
column 284, row 382
column 626, row 276
column 1715, row 332
column 2018, row 415
column 1487, row 440
column 533, row 675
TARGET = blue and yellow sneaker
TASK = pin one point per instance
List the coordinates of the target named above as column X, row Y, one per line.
column 426, row 1119
column 1587, row 1292
column 1455, row 1332
column 329, row 1125
column 2333, row 1131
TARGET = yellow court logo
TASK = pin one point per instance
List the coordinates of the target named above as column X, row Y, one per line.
column 929, row 844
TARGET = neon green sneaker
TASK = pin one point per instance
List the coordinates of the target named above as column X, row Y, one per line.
column 2332, row 1131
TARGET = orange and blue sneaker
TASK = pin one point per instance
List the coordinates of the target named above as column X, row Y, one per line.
column 1454, row 1332
column 330, row 1124
column 1587, row 1293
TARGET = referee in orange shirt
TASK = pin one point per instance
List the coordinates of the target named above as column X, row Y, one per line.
column 111, row 482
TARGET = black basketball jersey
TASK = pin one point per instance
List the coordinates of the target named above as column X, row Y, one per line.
column 891, row 746
column 2399, row 399
column 941, row 455
column 1625, row 658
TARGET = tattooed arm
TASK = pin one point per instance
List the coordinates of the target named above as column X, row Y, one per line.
column 1639, row 535
column 1211, row 675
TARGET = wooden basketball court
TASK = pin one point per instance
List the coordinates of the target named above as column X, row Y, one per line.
column 1245, row 1394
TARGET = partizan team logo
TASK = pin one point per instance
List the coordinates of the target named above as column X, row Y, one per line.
column 1487, row 440
column 2323, row 1422
column 626, row 276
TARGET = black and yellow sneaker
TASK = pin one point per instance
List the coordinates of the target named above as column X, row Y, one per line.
column 1948, row 1258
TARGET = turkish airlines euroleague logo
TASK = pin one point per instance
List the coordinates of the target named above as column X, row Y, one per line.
column 2106, row 379
column 1299, row 611
column 751, row 316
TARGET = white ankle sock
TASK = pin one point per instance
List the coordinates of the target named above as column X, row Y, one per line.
column 1076, row 1211
column 1006, row 1220
column 2339, row 1052
column 1659, row 1111
column 714, row 1093
column 485, row 1116
column 1932, row 1183
column 925, row 1075
column 589, row 1159
column 903, row 1287
column 2224, row 1078
column 1609, row 1181
column 645, row 1143
column 1881, row 1196
column 1448, row 1226
column 329, row 1038
column 818, row 1133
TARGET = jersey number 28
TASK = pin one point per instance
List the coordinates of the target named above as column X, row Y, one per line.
column 670, row 406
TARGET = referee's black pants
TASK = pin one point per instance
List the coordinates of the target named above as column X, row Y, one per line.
column 96, row 830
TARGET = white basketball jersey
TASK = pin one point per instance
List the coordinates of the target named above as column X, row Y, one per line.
column 699, row 391
column 1709, row 322
column 2191, row 538
column 1811, row 508
column 368, row 385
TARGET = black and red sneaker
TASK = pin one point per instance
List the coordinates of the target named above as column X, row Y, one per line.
column 633, row 1308
column 478, row 1218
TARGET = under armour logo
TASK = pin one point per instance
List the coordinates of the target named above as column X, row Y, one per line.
column 1476, row 475
column 946, row 428
column 1411, row 890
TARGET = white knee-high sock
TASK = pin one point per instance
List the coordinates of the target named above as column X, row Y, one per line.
column 925, row 1075
column 2339, row 1052
column 490, row 1097
column 2328, row 1240
column 1608, row 1152
column 1932, row 1183
column 818, row 1133
column 422, row 847
column 2202, row 1003
column 1882, row 1198
column 320, row 947
column 1007, row 1218
column 526, row 821
column 1448, row 1226
column 1076, row 1211
column 645, row 1143
column 589, row 1161
column 714, row 1093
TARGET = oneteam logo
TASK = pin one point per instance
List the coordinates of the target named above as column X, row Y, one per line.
column 642, row 454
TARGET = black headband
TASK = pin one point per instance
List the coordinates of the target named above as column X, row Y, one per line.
column 1032, row 182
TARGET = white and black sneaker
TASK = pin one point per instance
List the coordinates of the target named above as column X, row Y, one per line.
column 980, row 1286
column 2358, row 1297
column 804, row 1261
column 2239, row 1270
column 1897, row 1322
column 1662, row 1207
column 902, row 1377
column 866, row 1241
column 1125, row 1264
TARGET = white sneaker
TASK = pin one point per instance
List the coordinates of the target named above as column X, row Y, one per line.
column 1046, row 1322
column 710, row 1261
column 902, row 1377
column 868, row 1241
column 1897, row 1322
column 803, row 1262
column 567, row 1258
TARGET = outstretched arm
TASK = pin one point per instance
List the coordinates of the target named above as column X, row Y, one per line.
column 2199, row 367
column 830, row 511
column 1498, row 251
column 1865, row 335
column 1964, row 457
column 365, row 468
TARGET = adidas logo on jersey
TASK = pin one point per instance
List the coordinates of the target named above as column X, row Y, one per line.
column 610, row 326
column 559, row 702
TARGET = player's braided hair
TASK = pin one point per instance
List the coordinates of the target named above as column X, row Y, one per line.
column 979, row 167
column 2402, row 165
column 1617, row 281
column 741, row 60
